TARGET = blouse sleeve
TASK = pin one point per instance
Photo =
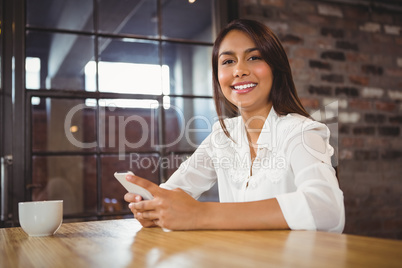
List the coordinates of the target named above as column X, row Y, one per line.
column 317, row 203
column 196, row 175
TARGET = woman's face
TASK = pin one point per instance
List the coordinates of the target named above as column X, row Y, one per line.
column 245, row 78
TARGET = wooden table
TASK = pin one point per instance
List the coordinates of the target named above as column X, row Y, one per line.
column 123, row 243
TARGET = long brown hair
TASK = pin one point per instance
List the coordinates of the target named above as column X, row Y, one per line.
column 283, row 93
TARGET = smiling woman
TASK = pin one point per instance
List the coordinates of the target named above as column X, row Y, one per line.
column 272, row 163
column 242, row 70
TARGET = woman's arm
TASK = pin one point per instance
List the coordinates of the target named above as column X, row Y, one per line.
column 176, row 210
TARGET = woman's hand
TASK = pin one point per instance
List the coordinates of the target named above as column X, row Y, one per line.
column 171, row 209
column 132, row 199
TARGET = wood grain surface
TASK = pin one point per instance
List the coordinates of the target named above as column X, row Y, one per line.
column 123, row 243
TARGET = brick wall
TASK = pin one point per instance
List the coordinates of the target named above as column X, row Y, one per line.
column 347, row 53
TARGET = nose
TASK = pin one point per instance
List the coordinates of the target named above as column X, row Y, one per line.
column 241, row 69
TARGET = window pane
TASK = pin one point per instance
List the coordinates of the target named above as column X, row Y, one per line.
column 129, row 66
column 184, row 20
column 60, row 14
column 128, row 125
column 62, row 58
column 191, row 70
column 128, row 17
column 188, row 122
column 68, row 178
column 143, row 165
column 63, row 125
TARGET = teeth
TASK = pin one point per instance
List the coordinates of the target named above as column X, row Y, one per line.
column 244, row 86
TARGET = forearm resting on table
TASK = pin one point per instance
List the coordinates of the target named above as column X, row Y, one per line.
column 264, row 214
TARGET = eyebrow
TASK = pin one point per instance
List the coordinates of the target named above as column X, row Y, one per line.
column 232, row 53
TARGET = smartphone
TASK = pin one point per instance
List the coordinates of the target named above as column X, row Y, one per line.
column 131, row 187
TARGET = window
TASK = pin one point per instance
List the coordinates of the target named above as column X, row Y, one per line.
column 114, row 85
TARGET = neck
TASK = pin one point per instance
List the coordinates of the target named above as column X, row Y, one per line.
column 254, row 122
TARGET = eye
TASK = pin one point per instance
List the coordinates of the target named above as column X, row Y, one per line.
column 225, row 62
column 255, row 58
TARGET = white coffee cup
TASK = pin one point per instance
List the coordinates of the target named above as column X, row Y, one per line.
column 41, row 218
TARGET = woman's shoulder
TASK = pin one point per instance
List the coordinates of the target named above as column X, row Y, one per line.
column 293, row 124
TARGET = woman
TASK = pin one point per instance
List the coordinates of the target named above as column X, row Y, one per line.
column 272, row 163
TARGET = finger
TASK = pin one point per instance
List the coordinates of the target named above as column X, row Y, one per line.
column 150, row 186
column 147, row 223
column 146, row 215
column 130, row 197
column 145, row 205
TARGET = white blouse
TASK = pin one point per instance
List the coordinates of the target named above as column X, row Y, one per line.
column 293, row 165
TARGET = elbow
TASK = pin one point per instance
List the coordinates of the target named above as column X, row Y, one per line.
column 329, row 214
column 331, row 218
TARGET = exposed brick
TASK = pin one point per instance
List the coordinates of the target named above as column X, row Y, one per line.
column 348, row 91
column 346, row 154
column 372, row 92
column 290, row 39
column 317, row 19
column 392, row 29
column 297, row 64
column 382, row 17
column 395, row 95
column 333, row 55
column 344, row 129
column 391, row 155
column 253, row 11
column 364, row 130
column 374, row 142
column 389, row 131
column 346, row 45
column 336, row 33
column 310, row 103
column 358, row 57
column 366, row 155
column 382, row 60
column 303, row 52
column 330, row 102
column 397, row 72
column 360, row 104
column 352, row 12
column 372, row 69
column 249, row 2
column 396, row 119
column 352, row 142
column 320, row 90
column 379, row 39
column 278, row 27
column 304, row 29
column 399, row 62
column 345, row 117
column 329, row 10
column 302, row 6
column 370, row 27
column 320, row 43
column 276, row 3
column 385, row 106
column 374, row 118
column 320, row 65
column 333, row 78
column 359, row 80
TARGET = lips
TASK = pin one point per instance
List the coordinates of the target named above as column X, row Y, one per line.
column 243, row 87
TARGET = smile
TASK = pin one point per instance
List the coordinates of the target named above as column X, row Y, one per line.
column 244, row 88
